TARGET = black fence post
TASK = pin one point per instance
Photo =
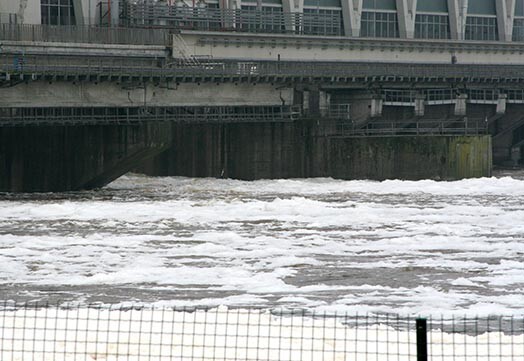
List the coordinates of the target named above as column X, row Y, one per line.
column 422, row 339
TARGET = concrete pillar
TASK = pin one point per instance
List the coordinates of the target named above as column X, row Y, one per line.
column 376, row 107
column 460, row 104
column 89, row 11
column 231, row 4
column 27, row 11
column 501, row 103
column 305, row 102
column 314, row 102
column 406, row 11
column 79, row 12
column 516, row 156
column 293, row 10
column 227, row 21
column 323, row 103
column 351, row 15
column 21, row 11
column 420, row 101
column 505, row 16
column 115, row 11
column 458, row 11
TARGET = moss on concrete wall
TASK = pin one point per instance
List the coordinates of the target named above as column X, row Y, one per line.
column 422, row 157
column 299, row 150
column 60, row 158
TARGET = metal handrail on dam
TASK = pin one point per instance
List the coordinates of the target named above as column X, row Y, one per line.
column 413, row 127
column 268, row 71
column 331, row 124
column 135, row 115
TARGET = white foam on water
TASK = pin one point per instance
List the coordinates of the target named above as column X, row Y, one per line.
column 393, row 246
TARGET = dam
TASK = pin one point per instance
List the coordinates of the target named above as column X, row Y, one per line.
column 348, row 89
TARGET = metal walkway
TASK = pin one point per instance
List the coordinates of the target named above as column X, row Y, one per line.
column 329, row 73
column 136, row 115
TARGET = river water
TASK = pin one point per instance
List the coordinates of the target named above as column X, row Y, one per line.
column 354, row 246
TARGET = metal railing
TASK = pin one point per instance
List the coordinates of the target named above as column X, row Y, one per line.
column 130, row 115
column 265, row 20
column 32, row 332
column 340, row 111
column 84, row 34
column 8, row 18
column 413, row 127
column 307, row 71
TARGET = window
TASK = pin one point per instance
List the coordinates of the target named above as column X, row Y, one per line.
column 379, row 4
column 264, row 19
column 273, row 19
column 481, row 28
column 515, row 95
column 518, row 30
column 482, row 94
column 398, row 96
column 379, row 25
column 436, row 95
column 248, row 18
column 322, row 22
column 429, row 26
column 57, row 12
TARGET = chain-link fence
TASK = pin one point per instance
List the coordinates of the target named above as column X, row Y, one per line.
column 131, row 332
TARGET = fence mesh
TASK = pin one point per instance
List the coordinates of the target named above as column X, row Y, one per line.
column 35, row 332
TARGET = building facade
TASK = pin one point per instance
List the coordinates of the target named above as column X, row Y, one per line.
column 475, row 20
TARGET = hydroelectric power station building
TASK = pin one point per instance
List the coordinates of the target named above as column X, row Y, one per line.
column 254, row 89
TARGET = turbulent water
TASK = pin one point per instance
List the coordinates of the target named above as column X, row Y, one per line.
column 357, row 246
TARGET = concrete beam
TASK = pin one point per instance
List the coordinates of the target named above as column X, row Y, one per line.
column 68, row 94
column 505, row 17
column 83, row 49
column 253, row 47
column 406, row 11
column 351, row 16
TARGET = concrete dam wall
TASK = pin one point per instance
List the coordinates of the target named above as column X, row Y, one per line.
column 300, row 150
column 63, row 158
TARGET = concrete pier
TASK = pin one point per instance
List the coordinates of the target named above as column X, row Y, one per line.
column 65, row 158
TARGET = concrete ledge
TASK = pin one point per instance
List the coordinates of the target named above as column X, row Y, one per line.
column 85, row 49
column 338, row 48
